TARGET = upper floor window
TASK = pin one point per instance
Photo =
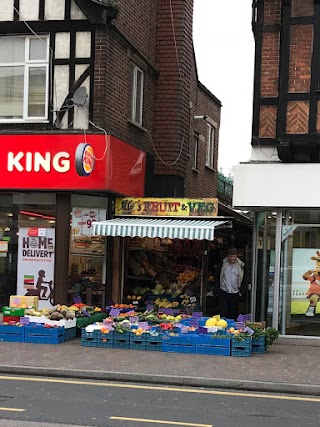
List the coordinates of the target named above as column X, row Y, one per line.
column 136, row 104
column 24, row 73
column 210, row 147
column 195, row 151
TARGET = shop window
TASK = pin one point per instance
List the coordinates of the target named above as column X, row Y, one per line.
column 302, row 8
column 24, row 71
column 195, row 151
column 210, row 147
column 136, row 101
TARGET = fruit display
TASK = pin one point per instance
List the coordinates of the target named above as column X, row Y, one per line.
column 61, row 312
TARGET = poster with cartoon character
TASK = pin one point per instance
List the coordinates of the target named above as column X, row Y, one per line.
column 305, row 291
column 36, row 264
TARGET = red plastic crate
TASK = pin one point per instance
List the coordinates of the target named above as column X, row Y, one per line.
column 7, row 319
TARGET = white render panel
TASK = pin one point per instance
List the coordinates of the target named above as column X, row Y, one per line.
column 62, row 50
column 81, row 114
column 76, row 13
column 83, row 44
column 61, row 86
column 6, row 10
column 29, row 10
column 54, row 10
column 277, row 185
column 264, row 154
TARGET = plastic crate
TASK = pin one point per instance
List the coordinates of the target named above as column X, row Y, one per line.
column 241, row 348
column 215, row 351
column 105, row 340
column 137, row 345
column 213, row 342
column 70, row 334
column 11, row 311
column 38, row 334
column 121, row 340
column 182, row 339
column 12, row 333
column 259, row 345
column 89, row 339
column 154, row 345
column 177, row 348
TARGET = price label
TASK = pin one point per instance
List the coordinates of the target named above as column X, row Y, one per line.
column 135, row 302
column 196, row 314
column 133, row 319
column 193, row 299
column 114, row 312
column 77, row 300
column 86, row 313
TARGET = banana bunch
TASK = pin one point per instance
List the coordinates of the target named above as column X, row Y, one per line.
column 164, row 303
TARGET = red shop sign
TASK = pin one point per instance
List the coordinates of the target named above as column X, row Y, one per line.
column 71, row 162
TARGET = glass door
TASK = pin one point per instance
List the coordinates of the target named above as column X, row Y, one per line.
column 301, row 279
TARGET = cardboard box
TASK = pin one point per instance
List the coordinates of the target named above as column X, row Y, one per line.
column 36, row 319
column 22, row 301
column 10, row 311
column 256, row 325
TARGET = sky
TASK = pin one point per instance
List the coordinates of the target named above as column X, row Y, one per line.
column 224, row 48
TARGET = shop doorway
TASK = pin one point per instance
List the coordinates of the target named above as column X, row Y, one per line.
column 301, row 280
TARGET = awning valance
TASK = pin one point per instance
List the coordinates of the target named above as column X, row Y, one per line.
column 192, row 229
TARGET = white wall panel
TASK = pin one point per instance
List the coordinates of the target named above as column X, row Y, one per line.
column 76, row 13
column 81, row 114
column 6, row 10
column 62, row 50
column 275, row 185
column 61, row 87
column 54, row 10
column 264, row 154
column 83, row 44
column 29, row 10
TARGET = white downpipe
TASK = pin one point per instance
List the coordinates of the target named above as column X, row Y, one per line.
column 277, row 266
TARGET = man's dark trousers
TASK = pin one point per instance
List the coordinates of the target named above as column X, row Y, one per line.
column 228, row 304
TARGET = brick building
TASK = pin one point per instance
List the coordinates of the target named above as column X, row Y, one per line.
column 120, row 86
column 277, row 182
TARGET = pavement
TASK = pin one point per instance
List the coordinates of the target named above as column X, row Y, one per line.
column 290, row 366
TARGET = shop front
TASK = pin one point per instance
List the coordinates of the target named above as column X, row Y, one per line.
column 161, row 251
column 53, row 188
column 286, row 245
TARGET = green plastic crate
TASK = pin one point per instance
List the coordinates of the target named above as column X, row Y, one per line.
column 10, row 311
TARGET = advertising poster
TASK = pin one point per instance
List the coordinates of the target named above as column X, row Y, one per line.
column 36, row 264
column 82, row 241
column 305, row 290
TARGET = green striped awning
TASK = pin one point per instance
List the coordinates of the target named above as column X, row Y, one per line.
column 192, row 229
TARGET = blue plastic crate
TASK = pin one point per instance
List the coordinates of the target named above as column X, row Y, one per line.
column 14, row 330
column 181, row 339
column 39, row 334
column 42, row 339
column 12, row 338
column 90, row 342
column 70, row 334
column 154, row 345
column 105, row 340
column 154, row 338
column 241, row 348
column 137, row 345
column 121, row 340
column 216, row 351
column 177, row 348
column 140, row 338
column 259, row 345
column 213, row 342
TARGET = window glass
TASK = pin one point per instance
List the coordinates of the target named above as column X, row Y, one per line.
column 11, row 92
column 210, row 146
column 38, row 49
column 195, row 151
column 23, row 87
column 37, row 92
column 12, row 49
column 136, row 94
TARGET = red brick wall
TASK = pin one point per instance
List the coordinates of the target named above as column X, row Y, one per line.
column 171, row 99
column 272, row 12
column 270, row 64
column 300, row 58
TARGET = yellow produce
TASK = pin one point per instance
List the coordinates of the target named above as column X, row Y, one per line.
column 211, row 322
column 222, row 323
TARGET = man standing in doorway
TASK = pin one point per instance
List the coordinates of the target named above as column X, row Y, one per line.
column 231, row 277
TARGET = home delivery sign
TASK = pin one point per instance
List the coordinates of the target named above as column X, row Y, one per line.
column 167, row 207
